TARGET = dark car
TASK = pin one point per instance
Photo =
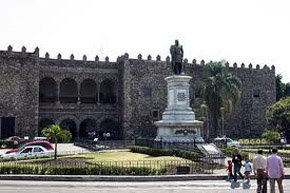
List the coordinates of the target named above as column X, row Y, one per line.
column 46, row 144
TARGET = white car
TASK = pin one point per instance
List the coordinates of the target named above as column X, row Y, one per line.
column 228, row 141
column 29, row 151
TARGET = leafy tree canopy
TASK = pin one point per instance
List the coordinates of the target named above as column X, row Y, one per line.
column 271, row 135
column 278, row 116
column 282, row 89
column 221, row 92
column 56, row 133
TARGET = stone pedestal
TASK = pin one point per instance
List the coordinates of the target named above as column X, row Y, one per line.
column 178, row 124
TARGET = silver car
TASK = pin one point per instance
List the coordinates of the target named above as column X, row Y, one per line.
column 29, row 151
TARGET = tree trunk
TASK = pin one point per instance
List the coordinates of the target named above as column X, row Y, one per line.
column 215, row 124
column 55, row 149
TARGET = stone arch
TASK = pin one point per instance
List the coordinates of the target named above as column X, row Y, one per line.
column 88, row 91
column 108, row 92
column 88, row 128
column 68, row 91
column 44, row 123
column 47, row 90
column 70, row 125
column 111, row 126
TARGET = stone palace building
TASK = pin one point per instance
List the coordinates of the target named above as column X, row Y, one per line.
column 123, row 97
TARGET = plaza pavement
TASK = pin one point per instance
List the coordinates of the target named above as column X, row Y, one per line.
column 216, row 186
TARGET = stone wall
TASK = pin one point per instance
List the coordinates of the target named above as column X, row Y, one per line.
column 145, row 76
column 19, row 72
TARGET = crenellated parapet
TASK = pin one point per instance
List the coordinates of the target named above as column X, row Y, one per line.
column 23, row 53
column 85, row 62
column 58, row 60
column 194, row 63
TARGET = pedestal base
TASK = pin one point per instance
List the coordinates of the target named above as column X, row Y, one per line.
column 179, row 131
column 178, row 124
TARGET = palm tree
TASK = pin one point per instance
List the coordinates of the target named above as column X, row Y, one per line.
column 221, row 92
column 55, row 133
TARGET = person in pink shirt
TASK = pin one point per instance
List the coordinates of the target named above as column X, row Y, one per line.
column 275, row 171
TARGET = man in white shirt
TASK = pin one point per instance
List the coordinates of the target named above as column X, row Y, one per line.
column 259, row 168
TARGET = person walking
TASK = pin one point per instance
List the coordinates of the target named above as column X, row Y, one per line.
column 259, row 168
column 248, row 171
column 230, row 171
column 275, row 171
column 237, row 161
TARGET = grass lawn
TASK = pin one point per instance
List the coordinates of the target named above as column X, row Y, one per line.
column 129, row 159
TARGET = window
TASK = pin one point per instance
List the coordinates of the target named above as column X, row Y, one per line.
column 256, row 93
column 7, row 127
column 155, row 115
column 28, row 150
column 38, row 149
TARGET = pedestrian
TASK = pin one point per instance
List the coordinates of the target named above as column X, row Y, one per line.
column 275, row 171
column 230, row 170
column 237, row 160
column 259, row 168
column 248, row 170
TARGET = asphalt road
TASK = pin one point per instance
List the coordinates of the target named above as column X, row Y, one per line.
column 125, row 187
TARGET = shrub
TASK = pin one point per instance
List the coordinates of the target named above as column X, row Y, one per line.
column 84, row 170
column 166, row 152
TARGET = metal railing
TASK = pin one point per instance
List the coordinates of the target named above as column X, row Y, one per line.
column 78, row 167
column 100, row 145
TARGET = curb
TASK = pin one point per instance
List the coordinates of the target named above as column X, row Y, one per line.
column 117, row 178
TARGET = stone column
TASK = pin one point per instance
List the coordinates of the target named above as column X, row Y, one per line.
column 79, row 93
column 58, row 92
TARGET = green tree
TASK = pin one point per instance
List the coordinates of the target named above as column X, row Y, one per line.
column 221, row 92
column 278, row 116
column 56, row 133
column 272, row 136
column 282, row 89
column 287, row 89
column 279, row 87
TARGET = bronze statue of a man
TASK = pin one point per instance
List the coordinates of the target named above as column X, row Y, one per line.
column 176, row 52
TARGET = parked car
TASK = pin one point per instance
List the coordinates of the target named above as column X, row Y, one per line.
column 15, row 139
column 39, row 138
column 228, row 141
column 42, row 143
column 29, row 151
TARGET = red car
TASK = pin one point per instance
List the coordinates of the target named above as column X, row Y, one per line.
column 44, row 144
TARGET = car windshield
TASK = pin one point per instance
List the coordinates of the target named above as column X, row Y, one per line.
column 28, row 150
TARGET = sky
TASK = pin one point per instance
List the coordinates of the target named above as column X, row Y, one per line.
column 241, row 31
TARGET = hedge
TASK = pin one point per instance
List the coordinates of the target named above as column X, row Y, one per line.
column 166, row 152
column 85, row 170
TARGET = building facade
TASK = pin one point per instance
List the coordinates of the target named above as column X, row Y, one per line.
column 123, row 98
